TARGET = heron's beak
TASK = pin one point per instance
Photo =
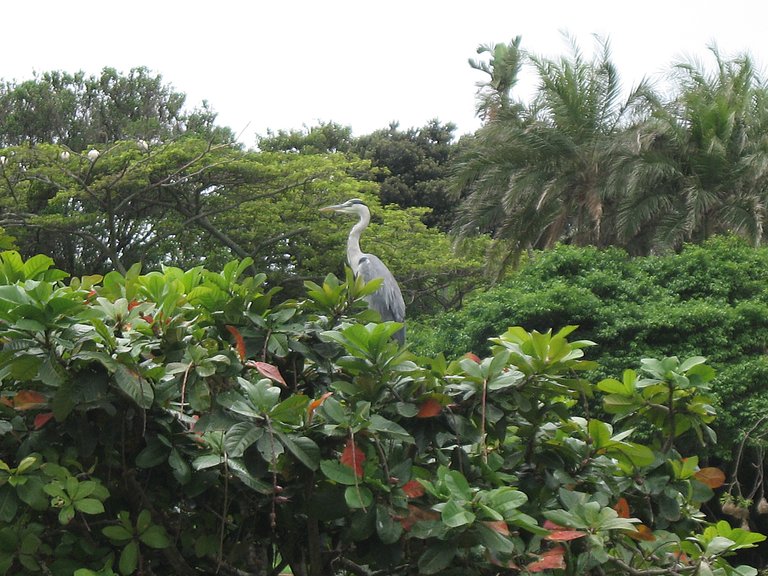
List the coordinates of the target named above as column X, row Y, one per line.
column 330, row 208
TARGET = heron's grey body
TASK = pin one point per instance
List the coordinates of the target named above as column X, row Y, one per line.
column 387, row 300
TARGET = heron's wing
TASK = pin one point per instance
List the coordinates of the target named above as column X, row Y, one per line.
column 387, row 300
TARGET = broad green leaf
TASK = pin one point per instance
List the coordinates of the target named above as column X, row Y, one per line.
column 338, row 472
column 455, row 515
column 378, row 423
column 134, row 386
column 129, row 558
column 457, row 485
column 388, row 529
column 436, row 558
column 117, row 533
column 358, row 496
column 240, row 437
column 89, row 506
column 155, row 537
column 304, row 448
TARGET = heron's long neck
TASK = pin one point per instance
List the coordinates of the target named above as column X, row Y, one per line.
column 354, row 253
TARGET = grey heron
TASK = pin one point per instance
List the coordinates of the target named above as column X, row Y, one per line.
column 387, row 300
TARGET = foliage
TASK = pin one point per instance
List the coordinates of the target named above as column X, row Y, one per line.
column 709, row 300
column 183, row 422
column 581, row 165
column 536, row 175
column 699, row 167
column 189, row 201
column 75, row 110
column 411, row 166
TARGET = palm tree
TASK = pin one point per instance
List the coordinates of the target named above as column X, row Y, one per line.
column 701, row 165
column 544, row 175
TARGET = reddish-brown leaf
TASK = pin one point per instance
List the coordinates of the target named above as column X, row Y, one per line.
column 132, row 304
column 473, row 357
column 642, row 532
column 550, row 560
column 268, row 371
column 498, row 526
column 416, row 514
column 429, row 409
column 239, row 342
column 315, row 404
column 622, row 508
column 353, row 457
column 711, row 476
column 7, row 401
column 28, row 399
column 42, row 419
column 413, row 489
column 564, row 535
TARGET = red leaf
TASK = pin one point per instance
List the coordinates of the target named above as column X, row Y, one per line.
column 711, row 476
column 28, row 399
column 268, row 371
column 473, row 357
column 498, row 526
column 353, row 457
column 564, row 535
column 315, row 404
column 429, row 409
column 239, row 342
column 550, row 560
column 132, row 304
column 416, row 514
column 42, row 419
column 622, row 508
column 642, row 533
column 413, row 489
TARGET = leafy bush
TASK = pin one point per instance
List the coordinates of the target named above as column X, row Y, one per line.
column 709, row 300
column 181, row 422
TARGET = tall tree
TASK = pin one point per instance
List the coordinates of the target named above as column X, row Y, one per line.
column 701, row 163
column 76, row 110
column 412, row 166
column 543, row 174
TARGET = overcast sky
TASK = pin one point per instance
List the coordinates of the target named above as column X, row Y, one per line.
column 282, row 64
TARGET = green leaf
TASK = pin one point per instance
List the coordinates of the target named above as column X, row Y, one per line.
column 388, row 529
column 182, row 470
column 143, row 521
column 338, row 472
column 455, row 515
column 378, row 423
column 304, row 448
column 129, row 558
column 119, row 534
column 600, row 432
column 155, row 537
column 436, row 558
column 153, row 454
column 33, row 494
column 291, row 410
column 207, row 461
column 89, row 506
column 358, row 496
column 240, row 437
column 134, row 386
column 718, row 545
column 8, row 504
column 457, row 485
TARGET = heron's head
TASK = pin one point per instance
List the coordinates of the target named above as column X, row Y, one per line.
column 353, row 206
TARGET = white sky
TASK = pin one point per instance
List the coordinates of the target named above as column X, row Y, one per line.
column 283, row 64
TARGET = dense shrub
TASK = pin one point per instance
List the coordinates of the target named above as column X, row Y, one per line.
column 180, row 422
column 709, row 300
